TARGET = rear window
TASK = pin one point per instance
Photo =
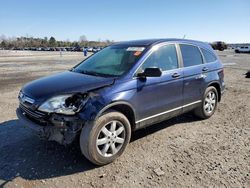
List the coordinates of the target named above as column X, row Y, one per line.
column 209, row 57
column 191, row 55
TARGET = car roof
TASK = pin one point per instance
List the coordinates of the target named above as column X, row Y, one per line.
column 151, row 42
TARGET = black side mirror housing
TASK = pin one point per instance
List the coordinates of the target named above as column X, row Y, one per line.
column 150, row 72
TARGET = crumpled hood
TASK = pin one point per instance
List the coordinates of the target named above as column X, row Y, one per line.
column 62, row 83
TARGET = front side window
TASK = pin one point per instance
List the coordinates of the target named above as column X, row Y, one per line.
column 111, row 61
column 191, row 55
column 209, row 57
column 164, row 58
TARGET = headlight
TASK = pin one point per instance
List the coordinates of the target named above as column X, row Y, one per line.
column 64, row 104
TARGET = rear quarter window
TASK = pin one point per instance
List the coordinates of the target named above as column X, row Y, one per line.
column 191, row 55
column 209, row 57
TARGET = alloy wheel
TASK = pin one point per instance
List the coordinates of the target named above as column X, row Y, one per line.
column 210, row 102
column 110, row 138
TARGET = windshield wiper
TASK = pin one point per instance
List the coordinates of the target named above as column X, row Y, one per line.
column 88, row 72
column 94, row 73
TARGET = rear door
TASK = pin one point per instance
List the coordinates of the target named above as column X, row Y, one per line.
column 194, row 77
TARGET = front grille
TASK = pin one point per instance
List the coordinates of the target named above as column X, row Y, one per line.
column 33, row 113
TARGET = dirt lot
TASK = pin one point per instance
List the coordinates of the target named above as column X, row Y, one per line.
column 181, row 152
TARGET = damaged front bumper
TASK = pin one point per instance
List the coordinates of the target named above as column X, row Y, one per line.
column 60, row 128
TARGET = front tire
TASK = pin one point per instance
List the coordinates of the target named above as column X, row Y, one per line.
column 105, row 139
column 209, row 103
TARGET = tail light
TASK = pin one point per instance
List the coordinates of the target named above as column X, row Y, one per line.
column 221, row 73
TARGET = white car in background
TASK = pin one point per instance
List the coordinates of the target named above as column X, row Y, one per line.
column 243, row 49
column 90, row 49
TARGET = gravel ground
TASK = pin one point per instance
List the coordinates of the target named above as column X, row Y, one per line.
column 181, row 152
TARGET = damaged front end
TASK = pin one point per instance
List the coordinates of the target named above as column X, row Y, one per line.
column 64, row 129
column 56, row 119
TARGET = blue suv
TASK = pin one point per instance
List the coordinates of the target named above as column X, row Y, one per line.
column 122, row 88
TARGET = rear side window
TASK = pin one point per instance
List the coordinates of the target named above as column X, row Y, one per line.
column 164, row 58
column 191, row 55
column 209, row 57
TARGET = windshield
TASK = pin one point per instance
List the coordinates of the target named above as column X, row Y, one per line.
column 111, row 61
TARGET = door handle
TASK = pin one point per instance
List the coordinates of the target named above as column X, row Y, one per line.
column 176, row 75
column 205, row 69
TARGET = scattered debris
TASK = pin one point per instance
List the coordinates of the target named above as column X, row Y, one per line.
column 102, row 176
column 159, row 172
column 43, row 181
column 248, row 74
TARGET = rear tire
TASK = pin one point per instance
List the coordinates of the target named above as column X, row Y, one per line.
column 105, row 139
column 209, row 103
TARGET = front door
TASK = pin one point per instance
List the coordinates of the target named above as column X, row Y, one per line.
column 159, row 98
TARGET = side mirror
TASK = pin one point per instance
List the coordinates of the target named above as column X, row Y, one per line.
column 150, row 72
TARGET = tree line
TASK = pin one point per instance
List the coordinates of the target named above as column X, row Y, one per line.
column 26, row 42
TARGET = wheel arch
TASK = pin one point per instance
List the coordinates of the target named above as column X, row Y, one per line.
column 122, row 107
column 217, row 87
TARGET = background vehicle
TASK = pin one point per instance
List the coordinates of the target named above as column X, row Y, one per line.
column 124, row 87
column 219, row 45
column 96, row 49
column 242, row 49
column 90, row 49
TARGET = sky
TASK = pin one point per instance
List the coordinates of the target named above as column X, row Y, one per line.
column 119, row 20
